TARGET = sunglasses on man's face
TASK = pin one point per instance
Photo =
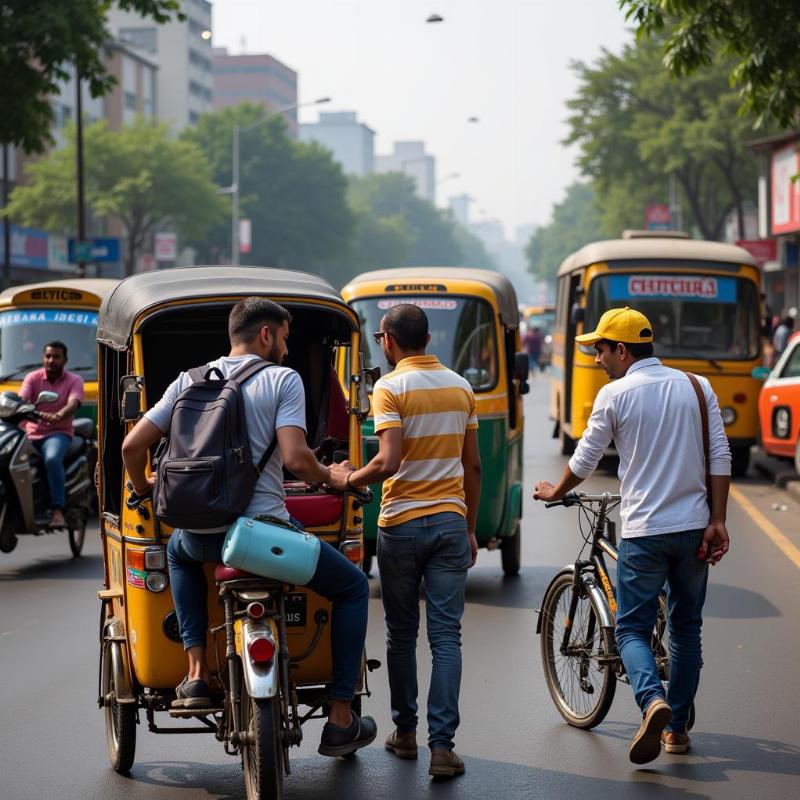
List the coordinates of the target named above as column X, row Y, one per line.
column 378, row 336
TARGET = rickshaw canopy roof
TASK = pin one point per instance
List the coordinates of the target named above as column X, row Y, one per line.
column 500, row 286
column 147, row 290
column 655, row 250
column 99, row 287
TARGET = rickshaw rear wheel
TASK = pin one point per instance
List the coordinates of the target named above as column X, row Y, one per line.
column 511, row 553
column 262, row 751
column 120, row 719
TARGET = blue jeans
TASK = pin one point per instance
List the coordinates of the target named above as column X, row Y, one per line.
column 52, row 449
column 645, row 564
column 335, row 578
column 434, row 548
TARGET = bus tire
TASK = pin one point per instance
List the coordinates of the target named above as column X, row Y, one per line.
column 740, row 461
column 567, row 443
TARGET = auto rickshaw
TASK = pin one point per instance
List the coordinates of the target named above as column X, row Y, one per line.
column 35, row 314
column 474, row 327
column 268, row 644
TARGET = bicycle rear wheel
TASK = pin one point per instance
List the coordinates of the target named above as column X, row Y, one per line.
column 581, row 679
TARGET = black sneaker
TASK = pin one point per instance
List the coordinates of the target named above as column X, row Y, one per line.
column 338, row 741
column 192, row 694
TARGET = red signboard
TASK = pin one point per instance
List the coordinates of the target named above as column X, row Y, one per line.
column 762, row 250
column 657, row 217
column 785, row 167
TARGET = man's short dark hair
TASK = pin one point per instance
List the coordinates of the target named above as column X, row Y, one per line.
column 56, row 343
column 250, row 315
column 408, row 325
column 637, row 349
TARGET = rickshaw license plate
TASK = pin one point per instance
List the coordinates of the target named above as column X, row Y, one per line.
column 296, row 610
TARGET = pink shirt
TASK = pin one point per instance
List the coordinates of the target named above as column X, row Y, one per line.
column 68, row 386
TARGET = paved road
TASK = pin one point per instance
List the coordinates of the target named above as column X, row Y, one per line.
column 746, row 742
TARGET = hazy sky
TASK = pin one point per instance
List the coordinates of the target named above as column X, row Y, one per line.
column 503, row 61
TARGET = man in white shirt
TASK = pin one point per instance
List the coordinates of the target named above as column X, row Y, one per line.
column 652, row 414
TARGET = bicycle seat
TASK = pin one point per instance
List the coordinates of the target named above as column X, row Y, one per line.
column 223, row 573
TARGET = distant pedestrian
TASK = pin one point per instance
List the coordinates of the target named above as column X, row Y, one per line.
column 533, row 342
column 653, row 415
column 430, row 464
column 781, row 338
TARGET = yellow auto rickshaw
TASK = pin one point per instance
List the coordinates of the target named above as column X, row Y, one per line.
column 38, row 313
column 152, row 326
column 474, row 326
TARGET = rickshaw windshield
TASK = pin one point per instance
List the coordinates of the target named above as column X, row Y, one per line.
column 462, row 334
column 25, row 332
column 543, row 322
column 693, row 316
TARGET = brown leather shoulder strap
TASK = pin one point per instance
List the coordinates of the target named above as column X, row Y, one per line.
column 701, row 400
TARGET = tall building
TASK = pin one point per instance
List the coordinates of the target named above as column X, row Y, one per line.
column 411, row 159
column 182, row 51
column 351, row 142
column 135, row 93
column 259, row 78
column 459, row 208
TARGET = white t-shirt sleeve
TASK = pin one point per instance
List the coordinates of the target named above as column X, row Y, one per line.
column 291, row 402
column 161, row 413
column 596, row 438
column 719, row 450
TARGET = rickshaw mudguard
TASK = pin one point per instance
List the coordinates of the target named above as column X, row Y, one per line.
column 113, row 639
column 262, row 681
column 592, row 588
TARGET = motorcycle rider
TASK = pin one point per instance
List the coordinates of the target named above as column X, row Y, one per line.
column 51, row 433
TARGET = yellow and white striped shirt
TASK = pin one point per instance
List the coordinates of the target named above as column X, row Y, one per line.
column 435, row 407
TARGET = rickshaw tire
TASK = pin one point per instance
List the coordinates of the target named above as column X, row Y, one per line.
column 511, row 553
column 267, row 783
column 369, row 556
column 120, row 721
column 740, row 461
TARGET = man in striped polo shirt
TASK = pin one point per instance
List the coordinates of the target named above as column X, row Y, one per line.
column 431, row 471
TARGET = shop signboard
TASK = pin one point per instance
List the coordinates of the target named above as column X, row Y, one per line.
column 785, row 168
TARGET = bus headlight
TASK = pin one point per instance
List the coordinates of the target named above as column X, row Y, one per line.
column 728, row 415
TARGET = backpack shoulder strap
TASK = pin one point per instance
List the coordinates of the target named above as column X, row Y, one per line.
column 701, row 400
column 249, row 369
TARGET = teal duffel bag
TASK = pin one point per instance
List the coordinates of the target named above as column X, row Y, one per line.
column 271, row 547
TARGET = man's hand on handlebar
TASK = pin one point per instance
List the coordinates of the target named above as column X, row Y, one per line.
column 546, row 491
column 146, row 489
column 339, row 475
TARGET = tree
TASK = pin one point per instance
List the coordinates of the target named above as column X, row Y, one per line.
column 139, row 175
column 760, row 39
column 293, row 192
column 392, row 195
column 637, row 126
column 39, row 39
column 575, row 222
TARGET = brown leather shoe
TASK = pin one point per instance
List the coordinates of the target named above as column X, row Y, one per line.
column 646, row 745
column 675, row 742
column 403, row 745
column 445, row 763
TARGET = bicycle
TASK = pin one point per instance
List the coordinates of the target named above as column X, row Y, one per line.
column 577, row 621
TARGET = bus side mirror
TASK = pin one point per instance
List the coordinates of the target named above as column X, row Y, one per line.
column 760, row 373
column 130, row 392
column 576, row 314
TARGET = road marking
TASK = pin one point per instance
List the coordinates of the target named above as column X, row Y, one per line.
column 781, row 541
column 20, row 628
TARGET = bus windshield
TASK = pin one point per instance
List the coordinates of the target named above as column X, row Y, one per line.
column 25, row 332
column 462, row 333
column 693, row 316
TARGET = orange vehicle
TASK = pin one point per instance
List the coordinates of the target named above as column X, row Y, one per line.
column 779, row 405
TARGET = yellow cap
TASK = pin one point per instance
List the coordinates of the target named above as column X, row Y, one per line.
column 620, row 325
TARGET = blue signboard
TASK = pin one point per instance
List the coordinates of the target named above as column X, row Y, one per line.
column 28, row 247
column 691, row 288
column 103, row 250
column 36, row 316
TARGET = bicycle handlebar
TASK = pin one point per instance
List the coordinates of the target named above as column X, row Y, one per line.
column 579, row 498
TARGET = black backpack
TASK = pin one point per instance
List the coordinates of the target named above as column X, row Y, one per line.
column 205, row 475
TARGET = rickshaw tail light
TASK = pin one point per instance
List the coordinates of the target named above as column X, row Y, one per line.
column 256, row 610
column 135, row 558
column 155, row 558
column 261, row 650
column 353, row 552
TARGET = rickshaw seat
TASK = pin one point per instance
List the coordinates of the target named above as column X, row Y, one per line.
column 223, row 573
column 316, row 509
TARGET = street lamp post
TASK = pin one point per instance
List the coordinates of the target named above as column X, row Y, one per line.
column 238, row 130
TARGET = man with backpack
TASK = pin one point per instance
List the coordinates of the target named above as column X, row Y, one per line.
column 273, row 401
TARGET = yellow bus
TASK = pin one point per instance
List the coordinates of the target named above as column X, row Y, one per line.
column 35, row 314
column 704, row 302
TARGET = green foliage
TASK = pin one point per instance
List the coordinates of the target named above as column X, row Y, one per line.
column 293, row 192
column 139, row 175
column 760, row 39
column 575, row 222
column 636, row 125
column 38, row 40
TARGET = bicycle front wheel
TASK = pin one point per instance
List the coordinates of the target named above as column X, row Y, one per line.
column 580, row 676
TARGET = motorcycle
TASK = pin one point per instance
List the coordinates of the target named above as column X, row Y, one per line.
column 23, row 481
